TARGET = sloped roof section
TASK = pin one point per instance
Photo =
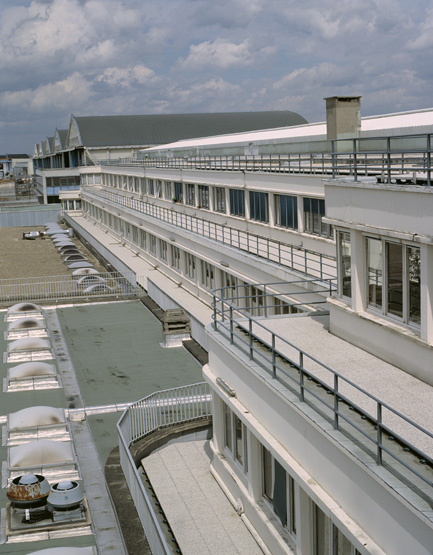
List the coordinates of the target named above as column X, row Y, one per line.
column 166, row 128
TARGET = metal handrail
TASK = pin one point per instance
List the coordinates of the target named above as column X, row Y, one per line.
column 361, row 158
column 161, row 409
column 297, row 258
column 259, row 343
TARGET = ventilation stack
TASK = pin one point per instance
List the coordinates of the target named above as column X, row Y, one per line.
column 176, row 328
column 343, row 119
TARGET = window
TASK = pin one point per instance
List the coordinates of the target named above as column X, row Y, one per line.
column 314, row 210
column 207, row 275
column 344, row 264
column 278, row 488
column 143, row 185
column 190, row 194
column 142, row 239
column 134, row 235
column 237, row 202
column 231, row 291
column 235, row 437
column 178, row 192
column 328, row 539
column 168, row 190
column 151, row 187
column 286, row 211
column 228, row 428
column 259, row 210
column 394, row 279
column 240, row 443
column 163, row 250
column 175, row 258
column 203, row 196
column 190, row 265
column 152, row 244
column 158, row 189
column 219, row 196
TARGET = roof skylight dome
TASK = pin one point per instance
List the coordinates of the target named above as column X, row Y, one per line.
column 28, row 344
column 25, row 323
column 38, row 452
column 23, row 307
column 31, row 369
column 35, row 416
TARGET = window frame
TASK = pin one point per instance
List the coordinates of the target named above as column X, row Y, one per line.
column 219, row 197
column 259, row 206
column 285, row 212
column 313, row 212
column 237, row 202
column 203, row 196
column 388, row 287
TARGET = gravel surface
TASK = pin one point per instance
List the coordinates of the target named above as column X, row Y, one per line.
column 21, row 258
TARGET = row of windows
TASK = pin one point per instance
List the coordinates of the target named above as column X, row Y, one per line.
column 250, row 298
column 278, row 490
column 393, row 276
column 285, row 206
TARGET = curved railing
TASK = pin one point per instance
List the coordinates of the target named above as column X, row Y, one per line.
column 159, row 410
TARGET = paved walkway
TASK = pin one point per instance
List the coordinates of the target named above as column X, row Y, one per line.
column 202, row 518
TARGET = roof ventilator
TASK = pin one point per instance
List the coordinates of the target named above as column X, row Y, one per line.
column 176, row 328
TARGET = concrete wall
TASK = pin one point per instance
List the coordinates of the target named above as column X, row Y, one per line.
column 371, row 514
column 30, row 217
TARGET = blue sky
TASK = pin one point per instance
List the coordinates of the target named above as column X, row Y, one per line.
column 102, row 57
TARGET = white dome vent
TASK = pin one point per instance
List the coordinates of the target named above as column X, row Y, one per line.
column 81, row 264
column 35, row 416
column 39, row 452
column 23, row 307
column 84, row 272
column 30, row 370
column 25, row 324
column 65, row 551
column 29, row 344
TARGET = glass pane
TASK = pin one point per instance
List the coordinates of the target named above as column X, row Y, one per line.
column 267, row 474
column 342, row 545
column 394, row 269
column 374, row 268
column 228, row 428
column 322, row 533
column 345, row 264
column 238, row 440
column 414, row 285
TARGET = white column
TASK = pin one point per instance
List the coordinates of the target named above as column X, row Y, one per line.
column 254, row 467
column 300, row 211
column 359, row 271
column 271, row 206
column 44, row 189
column 304, row 522
column 427, row 293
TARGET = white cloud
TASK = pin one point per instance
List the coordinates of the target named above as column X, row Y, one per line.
column 217, row 54
column 125, row 77
column 73, row 91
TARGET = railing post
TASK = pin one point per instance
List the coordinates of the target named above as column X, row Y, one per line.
column 274, row 365
column 379, row 434
column 388, row 159
column 265, row 300
column 214, row 312
column 231, row 325
column 355, row 164
column 429, row 160
column 335, row 402
column 250, row 327
column 301, row 375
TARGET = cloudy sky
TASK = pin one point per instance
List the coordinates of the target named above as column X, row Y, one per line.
column 101, row 57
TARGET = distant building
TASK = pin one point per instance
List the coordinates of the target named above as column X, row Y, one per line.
column 15, row 165
column 95, row 140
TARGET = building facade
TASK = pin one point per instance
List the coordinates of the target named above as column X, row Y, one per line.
column 303, row 258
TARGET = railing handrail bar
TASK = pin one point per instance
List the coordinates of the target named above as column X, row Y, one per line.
column 317, row 361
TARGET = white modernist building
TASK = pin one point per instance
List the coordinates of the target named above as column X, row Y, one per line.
column 303, row 257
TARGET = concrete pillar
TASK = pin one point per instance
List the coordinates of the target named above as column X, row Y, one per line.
column 427, row 293
column 271, row 209
column 218, row 422
column 359, row 271
column 44, row 189
column 254, row 467
column 247, row 205
column 300, row 211
column 304, row 522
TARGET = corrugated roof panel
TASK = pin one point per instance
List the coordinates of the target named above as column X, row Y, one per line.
column 166, row 128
